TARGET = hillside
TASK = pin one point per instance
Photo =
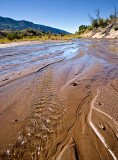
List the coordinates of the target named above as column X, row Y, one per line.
column 8, row 23
column 109, row 31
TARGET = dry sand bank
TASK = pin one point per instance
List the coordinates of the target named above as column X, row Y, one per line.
column 22, row 43
column 53, row 109
column 103, row 32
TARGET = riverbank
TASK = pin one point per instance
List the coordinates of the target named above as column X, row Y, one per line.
column 108, row 31
column 22, row 43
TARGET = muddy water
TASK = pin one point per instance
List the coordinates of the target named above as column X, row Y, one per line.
column 57, row 125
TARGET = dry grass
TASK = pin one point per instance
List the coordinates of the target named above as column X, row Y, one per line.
column 5, row 40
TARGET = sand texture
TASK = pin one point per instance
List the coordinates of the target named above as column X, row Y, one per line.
column 59, row 101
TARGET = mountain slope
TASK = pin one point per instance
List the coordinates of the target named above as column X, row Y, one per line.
column 8, row 23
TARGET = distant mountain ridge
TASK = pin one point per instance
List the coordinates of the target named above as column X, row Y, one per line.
column 9, row 23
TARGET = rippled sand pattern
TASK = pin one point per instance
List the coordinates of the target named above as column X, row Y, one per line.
column 44, row 123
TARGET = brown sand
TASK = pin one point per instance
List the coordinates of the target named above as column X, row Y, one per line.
column 54, row 117
column 107, row 101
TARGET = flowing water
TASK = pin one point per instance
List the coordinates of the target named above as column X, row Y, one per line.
column 16, row 58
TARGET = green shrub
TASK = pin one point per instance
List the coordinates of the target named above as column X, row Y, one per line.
column 20, row 36
column 31, row 34
column 95, row 23
column 82, row 29
column 107, row 20
column 102, row 23
column 39, row 35
column 14, row 36
column 115, row 28
column 113, row 16
column 89, row 28
column 10, row 37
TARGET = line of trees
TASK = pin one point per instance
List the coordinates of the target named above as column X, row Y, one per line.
column 11, row 35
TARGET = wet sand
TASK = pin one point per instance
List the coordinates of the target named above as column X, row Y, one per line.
column 64, row 106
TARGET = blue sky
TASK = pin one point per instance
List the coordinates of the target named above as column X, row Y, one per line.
column 63, row 14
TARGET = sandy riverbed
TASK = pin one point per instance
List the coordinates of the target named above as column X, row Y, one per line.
column 60, row 107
